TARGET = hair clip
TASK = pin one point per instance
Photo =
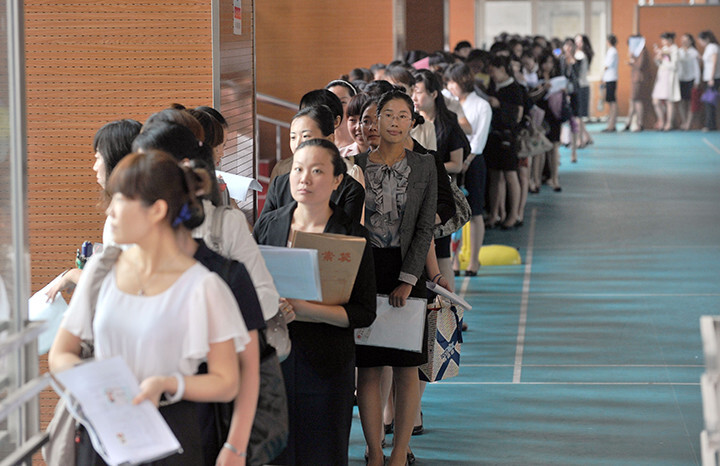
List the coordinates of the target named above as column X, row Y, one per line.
column 183, row 216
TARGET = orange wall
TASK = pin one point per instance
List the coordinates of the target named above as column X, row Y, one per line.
column 462, row 22
column 650, row 21
column 303, row 44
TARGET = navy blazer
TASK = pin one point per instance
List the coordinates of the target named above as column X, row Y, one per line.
column 349, row 195
column 418, row 221
column 327, row 347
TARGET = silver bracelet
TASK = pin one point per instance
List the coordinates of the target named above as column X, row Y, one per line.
column 237, row 453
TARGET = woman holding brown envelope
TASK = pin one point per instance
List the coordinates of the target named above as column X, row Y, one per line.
column 319, row 372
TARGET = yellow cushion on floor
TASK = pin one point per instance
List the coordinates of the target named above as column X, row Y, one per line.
column 498, row 254
column 492, row 254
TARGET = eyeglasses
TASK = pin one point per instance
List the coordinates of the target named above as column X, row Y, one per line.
column 368, row 122
column 403, row 117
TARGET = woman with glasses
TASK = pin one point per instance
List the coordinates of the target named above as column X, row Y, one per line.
column 401, row 192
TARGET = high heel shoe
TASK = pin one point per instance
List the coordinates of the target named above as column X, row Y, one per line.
column 389, row 427
column 419, row 430
column 410, row 457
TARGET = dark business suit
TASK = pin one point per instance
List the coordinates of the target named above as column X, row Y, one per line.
column 319, row 372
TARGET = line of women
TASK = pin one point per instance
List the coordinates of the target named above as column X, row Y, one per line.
column 185, row 319
column 189, row 330
column 685, row 84
column 187, row 309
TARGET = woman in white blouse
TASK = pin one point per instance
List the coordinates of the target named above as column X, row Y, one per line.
column 157, row 308
column 666, row 92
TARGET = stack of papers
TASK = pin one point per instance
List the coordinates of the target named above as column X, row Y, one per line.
column 99, row 395
column 395, row 327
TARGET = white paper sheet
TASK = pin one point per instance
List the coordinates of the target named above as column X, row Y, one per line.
column 121, row 432
column 447, row 294
column 295, row 271
column 238, row 185
column 635, row 45
column 40, row 309
column 557, row 84
column 395, row 327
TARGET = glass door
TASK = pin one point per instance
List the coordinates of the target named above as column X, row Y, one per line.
column 19, row 384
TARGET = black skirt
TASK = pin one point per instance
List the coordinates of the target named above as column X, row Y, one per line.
column 388, row 262
column 501, row 152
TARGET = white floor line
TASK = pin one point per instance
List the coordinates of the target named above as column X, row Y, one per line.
column 660, row 366
column 522, row 321
column 444, row 382
column 610, row 295
column 464, row 287
column 711, row 145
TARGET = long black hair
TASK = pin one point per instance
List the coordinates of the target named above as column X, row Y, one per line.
column 180, row 142
column 443, row 116
column 114, row 141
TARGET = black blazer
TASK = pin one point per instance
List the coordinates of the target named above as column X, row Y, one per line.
column 349, row 196
column 445, row 201
column 327, row 347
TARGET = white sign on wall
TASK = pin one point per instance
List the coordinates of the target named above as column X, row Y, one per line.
column 237, row 17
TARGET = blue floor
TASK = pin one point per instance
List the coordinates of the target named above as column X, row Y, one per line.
column 606, row 368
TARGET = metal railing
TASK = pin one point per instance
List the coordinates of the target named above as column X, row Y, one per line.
column 279, row 125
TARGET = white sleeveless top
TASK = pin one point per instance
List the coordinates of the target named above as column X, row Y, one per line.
column 162, row 334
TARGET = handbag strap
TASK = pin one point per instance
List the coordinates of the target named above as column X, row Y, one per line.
column 102, row 265
column 216, row 227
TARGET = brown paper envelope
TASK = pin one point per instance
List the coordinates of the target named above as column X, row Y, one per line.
column 339, row 257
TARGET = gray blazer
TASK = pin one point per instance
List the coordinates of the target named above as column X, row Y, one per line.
column 416, row 227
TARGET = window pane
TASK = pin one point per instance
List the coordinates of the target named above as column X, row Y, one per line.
column 560, row 18
column 510, row 17
column 598, row 36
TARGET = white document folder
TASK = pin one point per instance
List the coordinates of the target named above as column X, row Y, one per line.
column 395, row 327
column 39, row 309
column 295, row 271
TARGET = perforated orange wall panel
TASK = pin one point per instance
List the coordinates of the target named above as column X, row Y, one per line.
column 90, row 62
